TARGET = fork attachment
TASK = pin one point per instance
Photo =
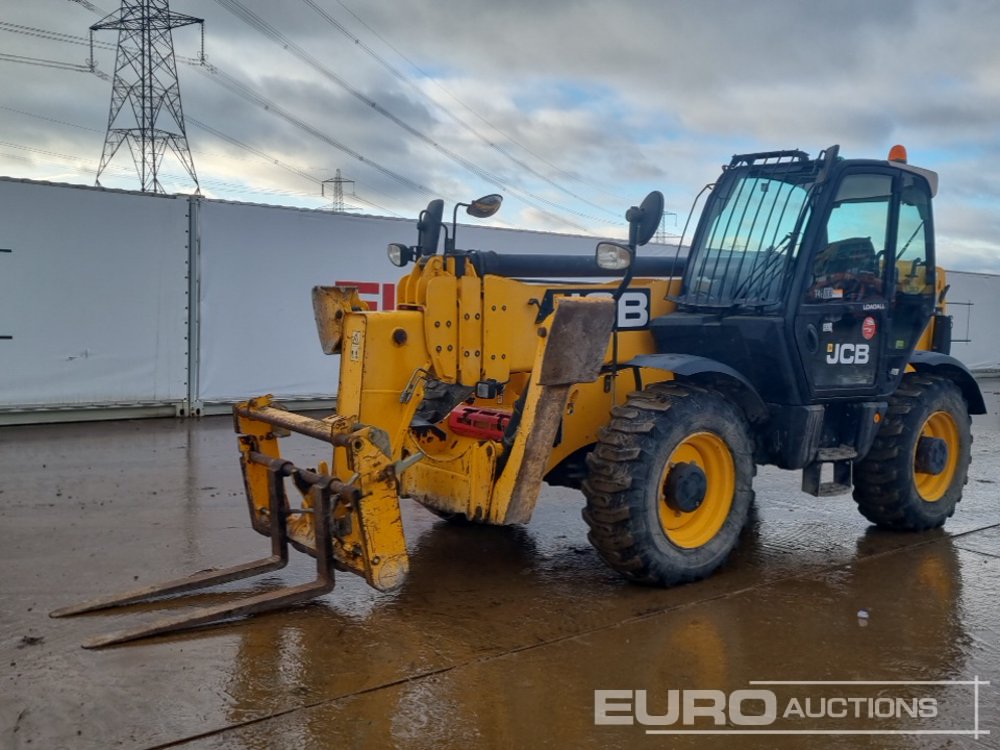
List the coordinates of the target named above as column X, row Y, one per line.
column 322, row 491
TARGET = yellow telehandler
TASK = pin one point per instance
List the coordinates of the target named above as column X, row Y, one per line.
column 805, row 327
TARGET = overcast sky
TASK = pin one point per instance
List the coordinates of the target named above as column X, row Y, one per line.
column 572, row 110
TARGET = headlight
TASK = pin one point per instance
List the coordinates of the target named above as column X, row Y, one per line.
column 399, row 254
column 613, row 257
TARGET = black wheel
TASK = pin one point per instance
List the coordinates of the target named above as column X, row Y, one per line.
column 669, row 486
column 913, row 476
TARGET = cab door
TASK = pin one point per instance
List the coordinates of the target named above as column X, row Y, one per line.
column 912, row 273
column 842, row 319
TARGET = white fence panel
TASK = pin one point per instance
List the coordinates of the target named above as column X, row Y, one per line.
column 93, row 297
column 974, row 304
column 258, row 266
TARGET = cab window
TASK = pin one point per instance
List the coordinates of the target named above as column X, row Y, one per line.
column 914, row 265
column 912, row 275
column 848, row 266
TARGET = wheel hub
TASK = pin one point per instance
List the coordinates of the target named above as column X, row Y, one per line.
column 686, row 487
column 931, row 456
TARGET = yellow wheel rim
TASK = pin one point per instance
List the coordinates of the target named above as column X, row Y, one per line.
column 700, row 526
column 931, row 487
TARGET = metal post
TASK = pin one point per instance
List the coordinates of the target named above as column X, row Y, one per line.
column 193, row 404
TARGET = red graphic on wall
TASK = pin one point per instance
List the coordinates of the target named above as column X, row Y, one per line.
column 868, row 328
column 379, row 296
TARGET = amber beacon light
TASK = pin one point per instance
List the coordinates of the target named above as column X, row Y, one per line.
column 898, row 153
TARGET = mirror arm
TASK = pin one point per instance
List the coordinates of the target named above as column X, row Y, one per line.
column 633, row 217
column 626, row 280
column 420, row 226
column 454, row 228
column 449, row 241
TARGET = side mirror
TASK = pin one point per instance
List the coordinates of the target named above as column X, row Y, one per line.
column 611, row 256
column 483, row 208
column 644, row 220
column 429, row 227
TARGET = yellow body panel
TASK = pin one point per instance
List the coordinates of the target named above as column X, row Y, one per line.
column 927, row 337
column 497, row 321
column 441, row 326
column 456, row 476
column 470, row 329
column 381, row 354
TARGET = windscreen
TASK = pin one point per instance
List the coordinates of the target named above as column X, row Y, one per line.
column 748, row 239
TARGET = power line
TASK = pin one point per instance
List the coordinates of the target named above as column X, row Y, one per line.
column 53, row 35
column 399, row 75
column 252, row 19
column 35, row 149
column 233, row 141
column 229, row 82
column 479, row 116
column 275, row 161
column 189, row 119
column 240, row 89
column 90, row 7
column 50, row 119
column 76, row 125
column 41, row 62
column 58, row 37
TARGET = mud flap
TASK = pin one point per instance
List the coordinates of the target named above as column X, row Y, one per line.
column 576, row 338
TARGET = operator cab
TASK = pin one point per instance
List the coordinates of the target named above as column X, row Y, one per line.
column 813, row 278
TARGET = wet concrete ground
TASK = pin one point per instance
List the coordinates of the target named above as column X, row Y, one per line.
column 500, row 636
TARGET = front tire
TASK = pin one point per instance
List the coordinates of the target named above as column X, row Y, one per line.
column 669, row 484
column 905, row 483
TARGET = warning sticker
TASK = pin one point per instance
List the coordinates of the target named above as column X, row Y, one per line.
column 868, row 328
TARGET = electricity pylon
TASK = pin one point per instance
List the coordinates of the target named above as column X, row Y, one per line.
column 146, row 112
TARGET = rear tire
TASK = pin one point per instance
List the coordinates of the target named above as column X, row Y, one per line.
column 890, row 489
column 659, row 431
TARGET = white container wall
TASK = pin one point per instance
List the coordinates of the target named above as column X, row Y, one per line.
column 974, row 304
column 258, row 266
column 93, row 297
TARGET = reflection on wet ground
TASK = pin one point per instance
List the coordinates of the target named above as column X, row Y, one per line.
column 500, row 636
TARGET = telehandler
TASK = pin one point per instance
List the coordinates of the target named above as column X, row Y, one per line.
column 805, row 328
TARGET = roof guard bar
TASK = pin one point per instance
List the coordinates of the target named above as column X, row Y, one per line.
column 750, row 159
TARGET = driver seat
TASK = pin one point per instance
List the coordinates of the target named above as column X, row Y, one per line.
column 845, row 270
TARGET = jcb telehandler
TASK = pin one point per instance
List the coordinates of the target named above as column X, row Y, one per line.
column 805, row 328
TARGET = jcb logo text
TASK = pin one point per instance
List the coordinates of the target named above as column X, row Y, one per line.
column 633, row 305
column 847, row 354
